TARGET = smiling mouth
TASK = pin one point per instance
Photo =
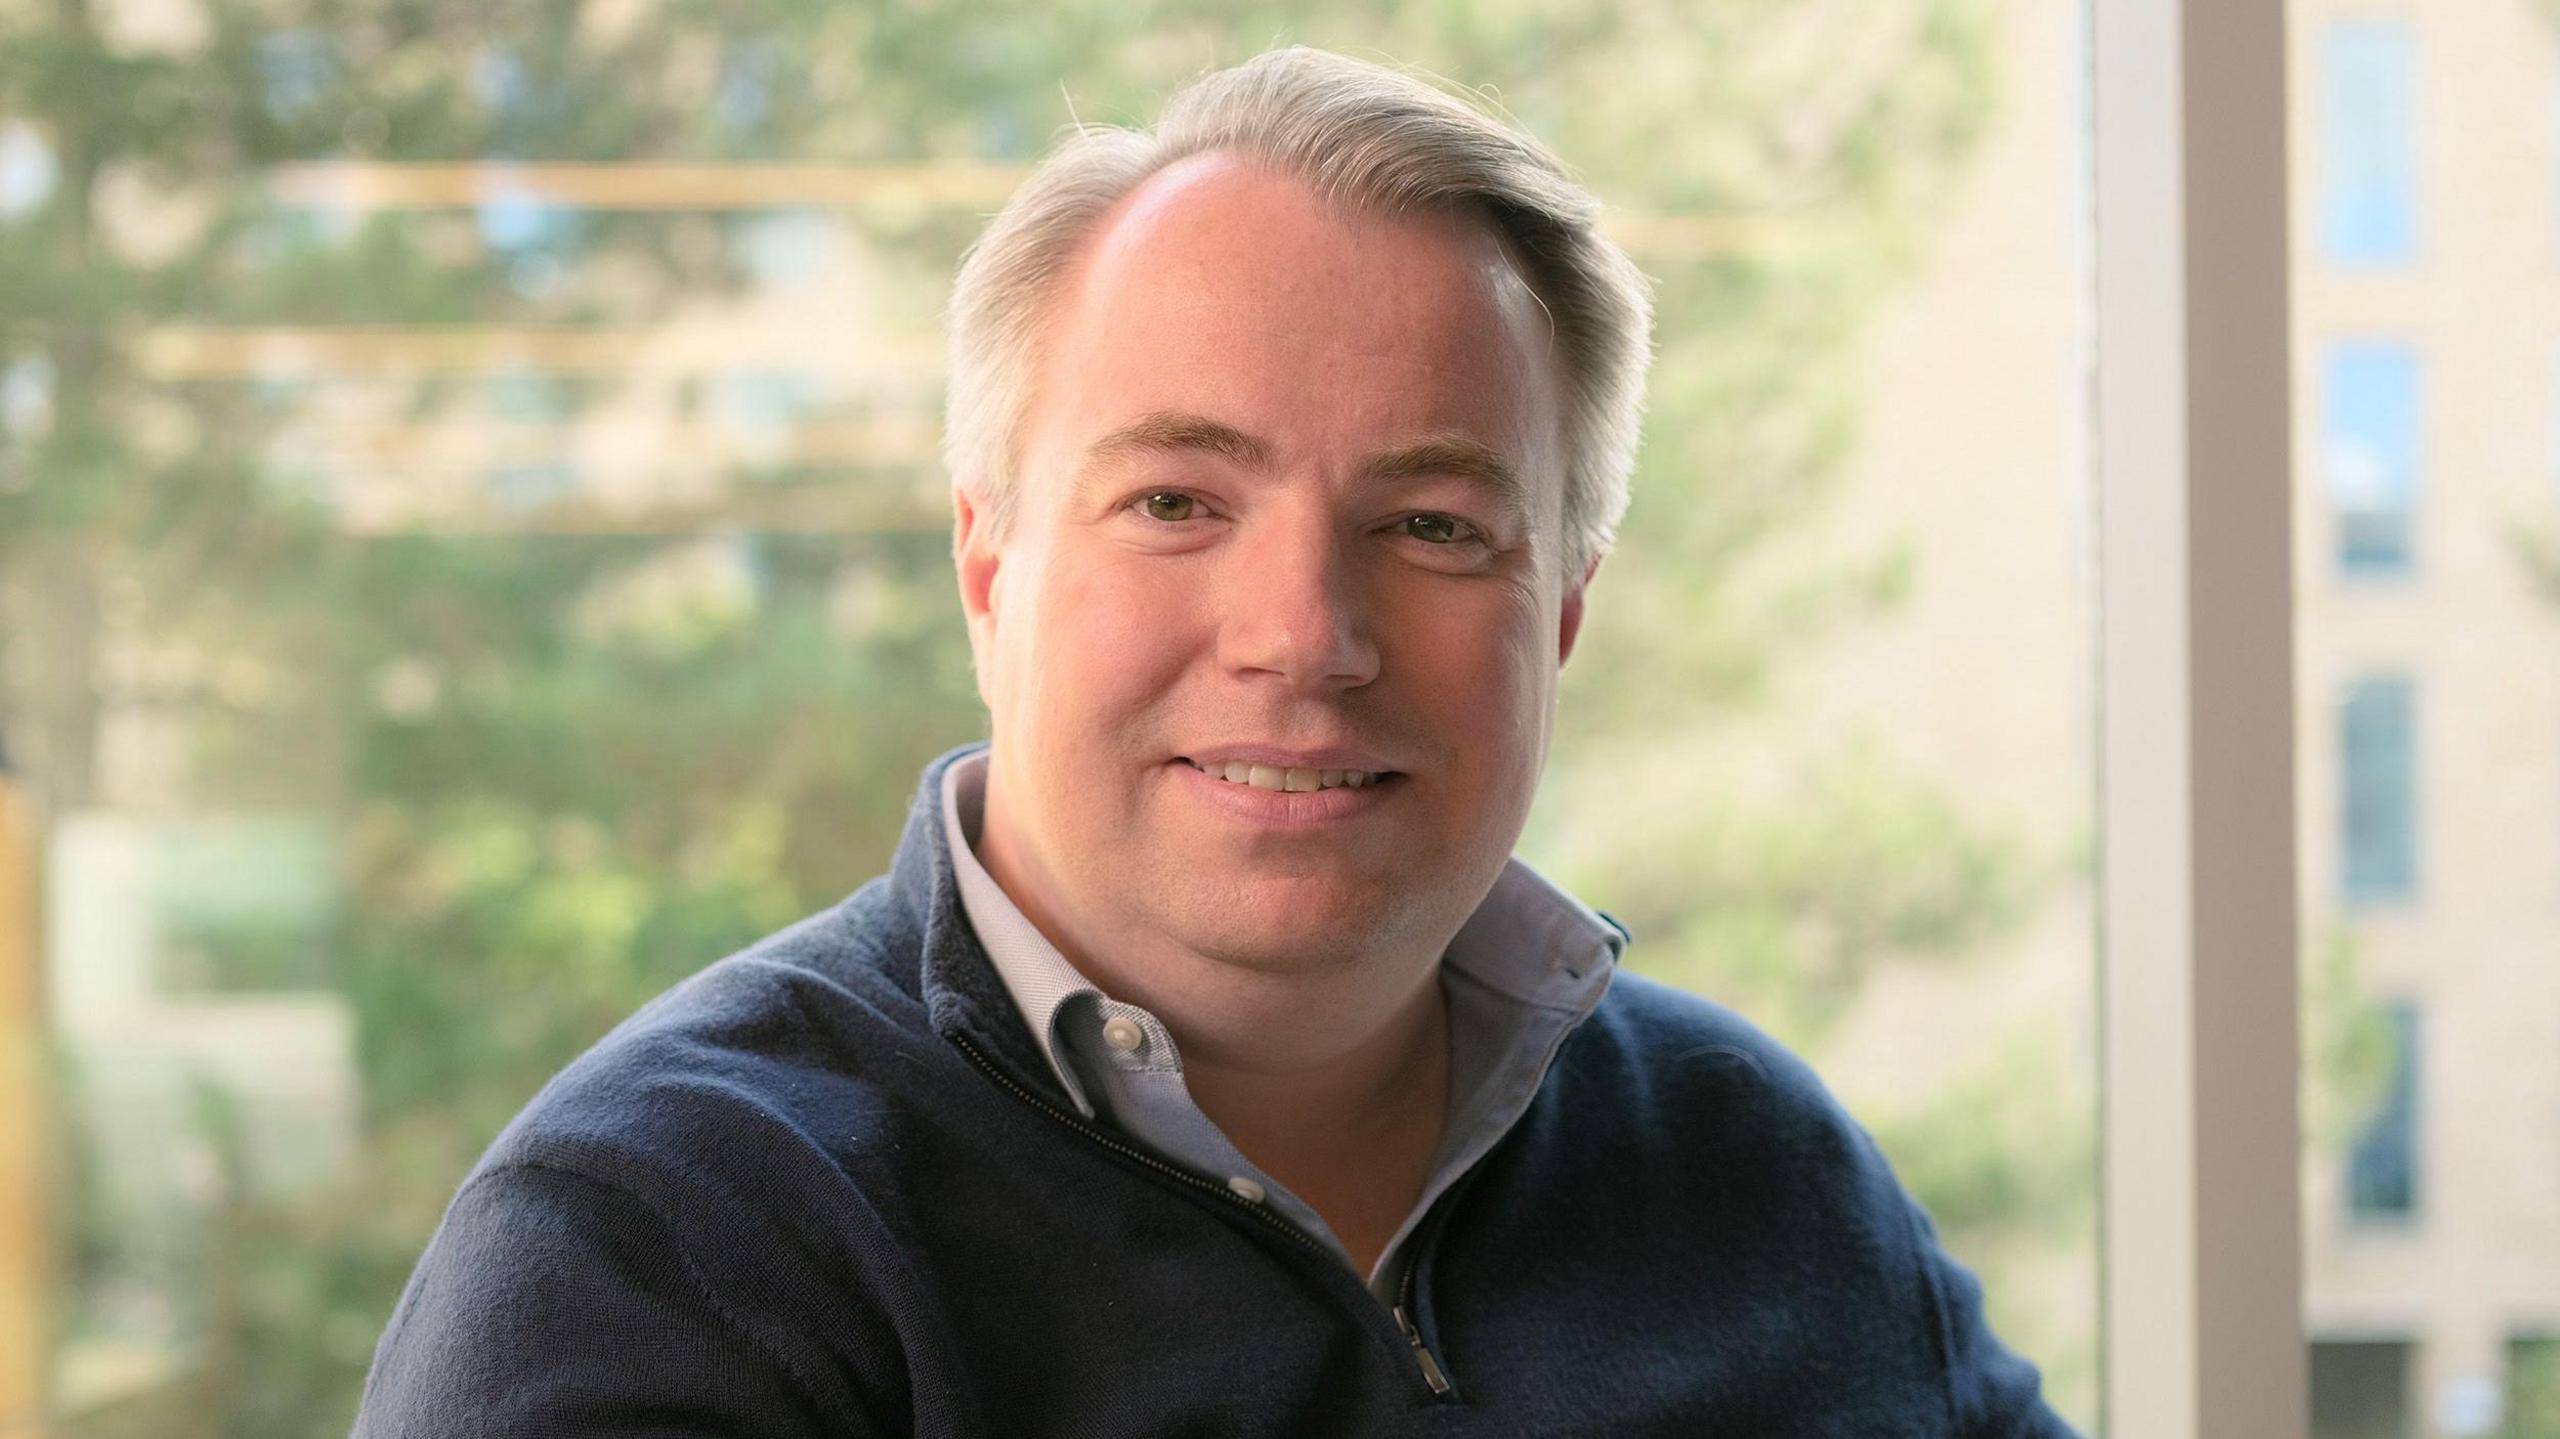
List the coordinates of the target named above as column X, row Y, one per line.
column 1295, row 781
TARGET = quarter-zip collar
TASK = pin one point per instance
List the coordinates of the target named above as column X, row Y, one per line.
column 961, row 991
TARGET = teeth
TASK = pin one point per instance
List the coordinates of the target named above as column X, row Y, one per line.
column 1294, row 781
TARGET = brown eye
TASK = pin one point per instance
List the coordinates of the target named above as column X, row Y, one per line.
column 1169, row 507
column 1433, row 529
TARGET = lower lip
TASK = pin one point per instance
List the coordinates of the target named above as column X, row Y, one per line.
column 1286, row 809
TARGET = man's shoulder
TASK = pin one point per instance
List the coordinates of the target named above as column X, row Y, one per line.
column 783, row 1043
column 695, row 1178
column 1682, row 1071
column 1673, row 1036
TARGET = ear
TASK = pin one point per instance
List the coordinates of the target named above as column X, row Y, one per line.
column 975, row 554
column 1569, row 619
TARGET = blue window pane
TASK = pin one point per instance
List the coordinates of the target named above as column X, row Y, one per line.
column 2377, row 750
column 2383, row 1175
column 2369, row 454
column 2369, row 172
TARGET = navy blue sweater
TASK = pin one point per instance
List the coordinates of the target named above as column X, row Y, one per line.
column 828, row 1187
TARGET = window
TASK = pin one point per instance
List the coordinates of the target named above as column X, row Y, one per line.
column 2368, row 163
column 2369, row 449
column 625, row 618
column 2360, row 1390
column 2383, row 1170
column 2378, row 786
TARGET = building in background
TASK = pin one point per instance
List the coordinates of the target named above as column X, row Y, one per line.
column 2426, row 243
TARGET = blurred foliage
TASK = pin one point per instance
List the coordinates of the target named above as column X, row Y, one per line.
column 2004, row 1156
column 2536, row 547
column 2536, row 544
column 567, row 769
column 2347, row 1048
column 1783, row 907
column 2002, row 1148
column 2533, row 1389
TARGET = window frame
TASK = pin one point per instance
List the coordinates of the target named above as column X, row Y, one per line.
column 2200, row 1216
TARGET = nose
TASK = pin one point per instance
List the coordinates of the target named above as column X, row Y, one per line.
column 1296, row 607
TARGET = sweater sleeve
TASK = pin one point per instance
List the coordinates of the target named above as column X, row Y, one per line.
column 1994, row 1393
column 551, row 1304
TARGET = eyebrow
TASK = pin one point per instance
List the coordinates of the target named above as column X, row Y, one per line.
column 1472, row 461
column 1165, row 432
column 1173, row 432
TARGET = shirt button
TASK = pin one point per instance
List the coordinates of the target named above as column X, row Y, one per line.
column 1123, row 1034
column 1246, row 1189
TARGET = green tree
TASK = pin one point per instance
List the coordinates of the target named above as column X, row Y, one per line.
column 2537, row 549
column 567, row 769
column 2533, row 1389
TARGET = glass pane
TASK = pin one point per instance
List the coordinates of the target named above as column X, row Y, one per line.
column 2367, row 141
column 2369, row 444
column 2427, row 429
column 473, row 551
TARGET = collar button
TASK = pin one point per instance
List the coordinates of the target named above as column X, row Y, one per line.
column 1123, row 1034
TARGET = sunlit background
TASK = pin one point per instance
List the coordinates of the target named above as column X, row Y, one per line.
column 2425, row 156
column 472, row 552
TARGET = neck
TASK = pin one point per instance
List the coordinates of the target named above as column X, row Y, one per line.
column 1354, row 1138
column 1375, row 1085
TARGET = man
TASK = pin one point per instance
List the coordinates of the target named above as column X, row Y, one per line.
column 1205, row 1064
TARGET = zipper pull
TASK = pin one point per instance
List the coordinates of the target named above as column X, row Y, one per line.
column 1431, row 1372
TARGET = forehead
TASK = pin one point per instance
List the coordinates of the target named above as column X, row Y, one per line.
column 1223, row 289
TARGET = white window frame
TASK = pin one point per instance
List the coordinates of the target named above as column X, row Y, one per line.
column 2201, row 1318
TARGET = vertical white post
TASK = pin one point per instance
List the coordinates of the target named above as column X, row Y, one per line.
column 2203, row 1305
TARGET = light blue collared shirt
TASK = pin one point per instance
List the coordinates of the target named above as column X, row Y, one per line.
column 1523, row 970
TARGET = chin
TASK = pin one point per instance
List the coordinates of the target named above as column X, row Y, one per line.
column 1279, row 933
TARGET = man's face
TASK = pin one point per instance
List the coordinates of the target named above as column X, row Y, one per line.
column 1264, row 515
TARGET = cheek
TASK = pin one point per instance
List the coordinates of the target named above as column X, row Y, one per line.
column 1483, row 669
column 1112, row 635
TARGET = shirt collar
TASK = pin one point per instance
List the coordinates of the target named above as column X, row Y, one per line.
column 1038, row 976
column 1528, row 941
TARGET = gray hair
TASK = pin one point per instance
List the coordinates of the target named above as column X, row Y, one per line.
column 1361, row 136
